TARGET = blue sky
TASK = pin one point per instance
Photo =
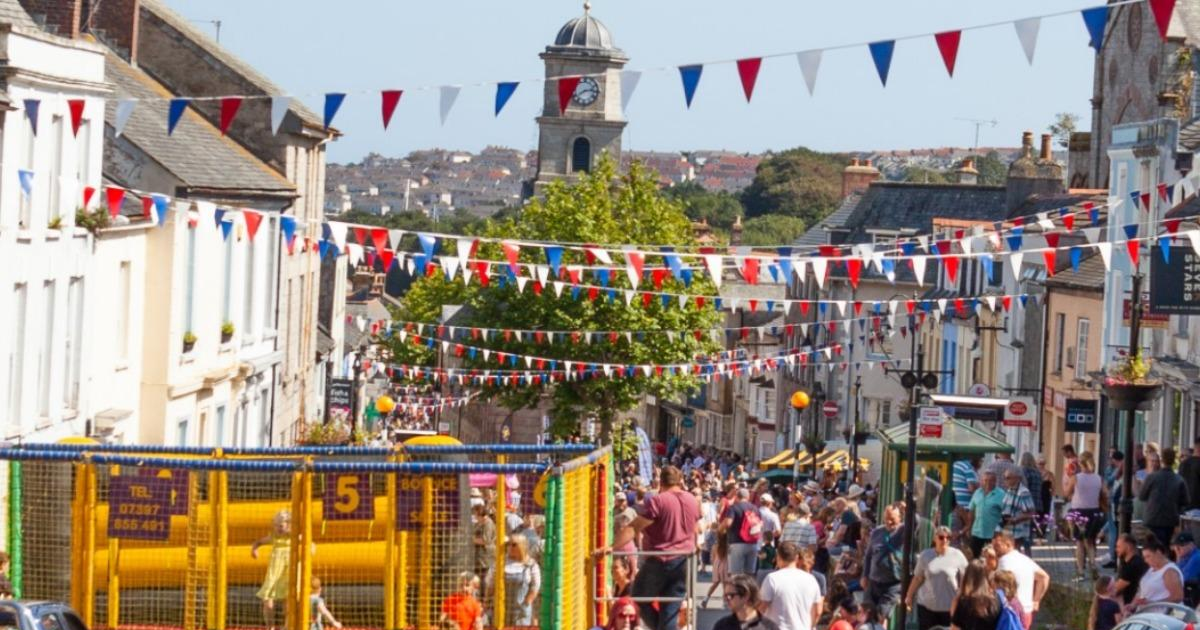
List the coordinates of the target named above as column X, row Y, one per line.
column 314, row 46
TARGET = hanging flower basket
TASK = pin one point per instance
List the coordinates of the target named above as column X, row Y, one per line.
column 860, row 437
column 1132, row 396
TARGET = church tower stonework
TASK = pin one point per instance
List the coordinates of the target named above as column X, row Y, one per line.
column 570, row 142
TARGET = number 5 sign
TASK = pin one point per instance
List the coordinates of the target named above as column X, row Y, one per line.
column 348, row 497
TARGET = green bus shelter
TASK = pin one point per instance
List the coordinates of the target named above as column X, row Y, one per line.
column 935, row 457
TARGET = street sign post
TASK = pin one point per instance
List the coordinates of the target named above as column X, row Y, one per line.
column 931, row 422
column 1020, row 412
column 830, row 408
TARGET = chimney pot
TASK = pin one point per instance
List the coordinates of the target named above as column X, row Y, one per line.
column 868, row 163
column 1046, row 152
column 854, row 162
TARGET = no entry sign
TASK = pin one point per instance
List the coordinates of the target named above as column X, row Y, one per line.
column 830, row 408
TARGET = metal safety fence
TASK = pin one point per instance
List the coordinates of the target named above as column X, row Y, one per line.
column 411, row 537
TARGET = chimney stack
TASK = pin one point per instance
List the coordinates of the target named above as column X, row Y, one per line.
column 60, row 17
column 1047, row 154
column 115, row 22
column 966, row 172
column 1028, row 176
column 858, row 176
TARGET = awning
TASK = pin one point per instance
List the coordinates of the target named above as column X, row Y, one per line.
column 838, row 460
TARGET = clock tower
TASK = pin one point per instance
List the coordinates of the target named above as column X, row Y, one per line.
column 571, row 141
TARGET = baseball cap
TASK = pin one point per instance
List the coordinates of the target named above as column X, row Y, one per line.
column 1183, row 538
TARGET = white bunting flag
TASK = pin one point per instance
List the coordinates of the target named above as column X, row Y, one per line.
column 1105, row 250
column 629, row 83
column 449, row 94
column 991, row 302
column 810, row 64
column 1015, row 264
column 124, row 111
column 628, row 297
column 841, row 305
column 819, row 265
column 463, row 247
column 1043, row 220
column 338, row 230
column 543, row 274
column 1194, row 237
column 600, row 254
column 450, row 264
column 279, row 109
column 356, row 254
column 918, row 263
column 558, row 289
column 1092, row 234
column 1027, row 32
column 714, row 263
column 521, row 281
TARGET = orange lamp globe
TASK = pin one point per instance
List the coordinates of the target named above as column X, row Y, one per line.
column 800, row 400
column 384, row 404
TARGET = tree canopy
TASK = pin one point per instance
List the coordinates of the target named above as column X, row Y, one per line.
column 799, row 182
column 600, row 208
column 772, row 229
column 720, row 209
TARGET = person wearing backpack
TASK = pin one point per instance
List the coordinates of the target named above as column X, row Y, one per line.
column 976, row 607
column 743, row 527
column 1032, row 580
column 883, row 563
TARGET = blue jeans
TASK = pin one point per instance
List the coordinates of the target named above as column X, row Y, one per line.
column 659, row 578
column 1110, row 532
column 743, row 558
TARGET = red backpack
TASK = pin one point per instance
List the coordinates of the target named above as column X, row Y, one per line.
column 752, row 526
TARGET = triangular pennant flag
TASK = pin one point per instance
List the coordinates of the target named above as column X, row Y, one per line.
column 881, row 54
column 1162, row 10
column 124, row 111
column 690, row 75
column 504, row 91
column 1092, row 234
column 1076, row 256
column 287, row 226
column 1164, row 244
column 918, row 265
column 333, row 102
column 1095, row 19
column 226, row 228
column 810, row 65
column 1194, row 237
column 447, row 97
column 714, row 264
column 218, row 216
column 1027, row 32
column 229, row 109
column 947, row 44
column 174, row 112
column 253, row 219
column 554, row 256
column 32, row 106
column 75, row 106
column 951, row 263
column 116, row 196
column 635, row 263
column 1105, row 250
column 26, row 179
column 566, row 90
column 388, row 100
column 748, row 73
column 279, row 110
column 160, row 206
column 1132, row 243
column 629, row 83
column 1015, row 260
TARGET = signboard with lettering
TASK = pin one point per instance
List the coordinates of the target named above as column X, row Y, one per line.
column 138, row 507
column 930, row 422
column 348, row 497
column 1148, row 320
column 340, row 399
column 409, row 507
column 1020, row 412
column 1175, row 285
column 177, row 481
column 1081, row 416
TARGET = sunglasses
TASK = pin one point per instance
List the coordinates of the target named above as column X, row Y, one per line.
column 734, row 594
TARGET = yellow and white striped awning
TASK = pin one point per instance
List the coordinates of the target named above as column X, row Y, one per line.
column 839, row 460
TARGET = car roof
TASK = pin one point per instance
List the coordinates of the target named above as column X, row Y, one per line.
column 1154, row 620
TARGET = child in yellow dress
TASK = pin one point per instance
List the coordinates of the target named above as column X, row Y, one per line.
column 275, row 584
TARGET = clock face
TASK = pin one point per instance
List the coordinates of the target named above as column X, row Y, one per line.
column 586, row 92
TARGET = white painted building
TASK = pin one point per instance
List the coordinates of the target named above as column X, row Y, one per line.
column 46, row 263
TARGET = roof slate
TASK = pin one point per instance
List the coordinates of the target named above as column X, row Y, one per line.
column 901, row 205
column 196, row 152
column 1089, row 277
column 11, row 12
column 819, row 234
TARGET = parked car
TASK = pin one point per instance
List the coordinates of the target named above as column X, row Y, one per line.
column 1160, row 617
column 26, row 615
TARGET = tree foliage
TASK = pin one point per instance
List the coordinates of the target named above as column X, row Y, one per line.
column 720, row 208
column 799, row 182
column 772, row 229
column 1062, row 128
column 922, row 175
column 600, row 208
column 992, row 169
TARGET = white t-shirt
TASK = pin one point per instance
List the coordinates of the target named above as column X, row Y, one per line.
column 791, row 593
column 1023, row 568
column 770, row 520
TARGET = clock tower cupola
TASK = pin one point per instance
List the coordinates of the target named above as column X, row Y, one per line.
column 570, row 141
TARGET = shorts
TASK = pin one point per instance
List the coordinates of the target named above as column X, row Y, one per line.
column 883, row 597
column 1088, row 524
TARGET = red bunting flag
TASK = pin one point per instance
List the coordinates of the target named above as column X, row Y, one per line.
column 748, row 72
column 854, row 269
column 1006, row 302
column 390, row 99
column 253, row 219
column 88, row 192
column 75, row 105
column 1162, row 10
column 566, row 89
column 1134, row 246
column 637, row 262
column 1069, row 221
column 750, row 270
column 951, row 268
column 1162, row 191
column 386, row 256
column 360, row 235
column 147, row 204
column 1050, row 255
column 511, row 252
column 116, row 196
column 1172, row 225
column 947, row 44
column 1146, row 202
column 379, row 236
column 229, row 109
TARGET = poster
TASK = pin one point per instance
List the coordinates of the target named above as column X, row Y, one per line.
column 348, row 497
column 340, row 399
column 409, row 504
column 1175, row 285
column 138, row 507
column 1081, row 415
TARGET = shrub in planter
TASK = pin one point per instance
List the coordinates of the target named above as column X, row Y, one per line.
column 226, row 332
column 189, row 341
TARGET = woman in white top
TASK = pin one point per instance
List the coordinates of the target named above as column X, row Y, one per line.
column 1088, row 503
column 1162, row 582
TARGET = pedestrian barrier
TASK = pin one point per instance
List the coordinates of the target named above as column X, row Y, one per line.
column 153, row 537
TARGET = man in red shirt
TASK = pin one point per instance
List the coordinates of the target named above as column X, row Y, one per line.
column 669, row 522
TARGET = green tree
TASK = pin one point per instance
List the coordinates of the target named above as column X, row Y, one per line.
column 599, row 208
column 1062, row 128
column 798, row 182
column 992, row 170
column 772, row 229
column 720, row 209
column 922, row 175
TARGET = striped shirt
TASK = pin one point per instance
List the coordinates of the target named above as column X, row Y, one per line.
column 801, row 534
column 1016, row 503
column 962, row 478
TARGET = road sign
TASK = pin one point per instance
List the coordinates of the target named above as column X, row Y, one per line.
column 1020, row 412
column 981, row 390
column 930, row 422
column 830, row 408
